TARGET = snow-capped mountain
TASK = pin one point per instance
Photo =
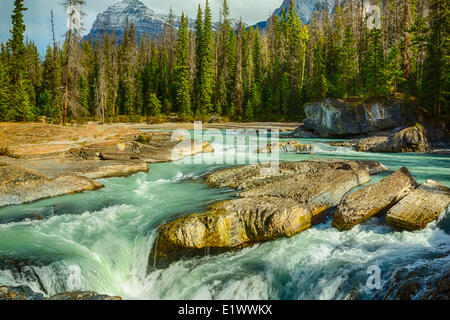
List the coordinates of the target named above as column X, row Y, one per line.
column 304, row 8
column 145, row 21
column 114, row 20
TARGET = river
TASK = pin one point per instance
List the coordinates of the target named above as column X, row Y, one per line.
column 100, row 241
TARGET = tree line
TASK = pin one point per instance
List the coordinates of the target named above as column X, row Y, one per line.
column 239, row 73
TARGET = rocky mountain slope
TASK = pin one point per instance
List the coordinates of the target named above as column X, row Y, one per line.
column 145, row 20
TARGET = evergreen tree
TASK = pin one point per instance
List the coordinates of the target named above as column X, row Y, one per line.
column 21, row 86
column 319, row 86
column 4, row 93
column 183, row 90
column 206, row 80
column 50, row 97
column 435, row 84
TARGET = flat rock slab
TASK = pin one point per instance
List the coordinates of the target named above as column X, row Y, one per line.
column 421, row 207
column 92, row 169
column 19, row 185
column 372, row 200
column 249, row 177
column 271, row 207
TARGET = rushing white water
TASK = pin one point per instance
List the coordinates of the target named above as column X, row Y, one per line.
column 101, row 241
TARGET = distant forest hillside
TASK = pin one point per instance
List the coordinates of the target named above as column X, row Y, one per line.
column 242, row 74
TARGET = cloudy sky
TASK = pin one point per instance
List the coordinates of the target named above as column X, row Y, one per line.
column 37, row 17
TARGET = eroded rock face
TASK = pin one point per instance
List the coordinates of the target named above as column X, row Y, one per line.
column 19, row 185
column 372, row 200
column 333, row 118
column 413, row 139
column 419, row 208
column 270, row 207
column 230, row 225
column 47, row 168
column 248, row 177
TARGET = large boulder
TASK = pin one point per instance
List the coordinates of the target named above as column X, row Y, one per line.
column 228, row 226
column 334, row 118
column 372, row 200
column 282, row 205
column 413, row 139
column 420, row 207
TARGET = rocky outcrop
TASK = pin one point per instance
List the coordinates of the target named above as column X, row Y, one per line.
column 26, row 293
column 19, row 185
column 250, row 177
column 282, row 205
column 37, row 167
column 82, row 296
column 420, row 207
column 291, row 146
column 229, row 226
column 427, row 281
column 19, row 293
column 303, row 133
column 372, row 200
column 334, row 118
column 413, row 139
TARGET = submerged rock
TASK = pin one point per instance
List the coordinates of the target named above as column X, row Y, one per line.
column 290, row 146
column 372, row 200
column 413, row 139
column 419, row 208
column 334, row 118
column 282, row 205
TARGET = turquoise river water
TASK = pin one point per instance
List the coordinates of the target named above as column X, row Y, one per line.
column 100, row 241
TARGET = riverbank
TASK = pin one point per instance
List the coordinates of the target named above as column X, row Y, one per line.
column 101, row 241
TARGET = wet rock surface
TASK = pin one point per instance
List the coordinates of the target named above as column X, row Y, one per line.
column 373, row 200
column 419, row 208
column 281, row 205
column 288, row 147
column 26, row 293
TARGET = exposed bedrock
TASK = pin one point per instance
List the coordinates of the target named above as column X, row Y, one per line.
column 373, row 200
column 413, row 139
column 334, row 118
column 26, row 293
column 270, row 207
column 421, row 207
